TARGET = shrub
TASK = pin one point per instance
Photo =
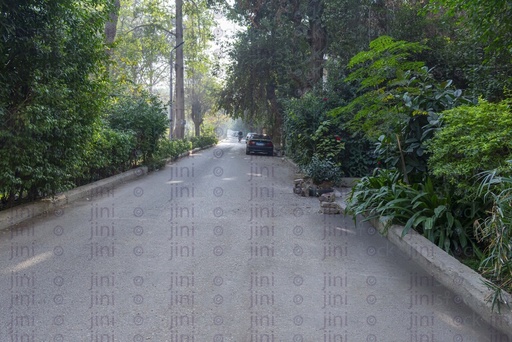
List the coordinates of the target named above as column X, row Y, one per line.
column 416, row 206
column 303, row 117
column 203, row 141
column 109, row 153
column 52, row 89
column 169, row 149
column 358, row 156
column 472, row 139
column 323, row 170
column 143, row 116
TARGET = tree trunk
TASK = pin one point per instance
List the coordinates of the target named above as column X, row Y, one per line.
column 197, row 113
column 277, row 120
column 180, row 92
column 317, row 42
column 111, row 25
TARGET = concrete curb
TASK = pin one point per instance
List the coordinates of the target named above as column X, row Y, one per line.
column 467, row 284
column 13, row 216
column 18, row 214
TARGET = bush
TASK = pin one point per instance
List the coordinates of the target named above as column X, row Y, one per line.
column 358, row 156
column 323, row 170
column 109, row 153
column 169, row 149
column 143, row 116
column 471, row 140
column 302, row 119
column 416, row 206
column 203, row 141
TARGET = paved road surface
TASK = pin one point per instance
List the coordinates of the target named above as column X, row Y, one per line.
column 216, row 247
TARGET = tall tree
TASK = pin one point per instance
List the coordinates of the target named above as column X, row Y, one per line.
column 111, row 24
column 179, row 131
column 203, row 89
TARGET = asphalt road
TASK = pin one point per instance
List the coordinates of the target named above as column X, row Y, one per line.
column 216, row 247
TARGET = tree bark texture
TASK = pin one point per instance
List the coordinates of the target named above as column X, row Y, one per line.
column 317, row 42
column 180, row 93
column 111, row 24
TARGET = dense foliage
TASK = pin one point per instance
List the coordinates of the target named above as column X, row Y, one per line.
column 52, row 90
column 417, row 206
column 473, row 139
column 144, row 117
column 109, row 153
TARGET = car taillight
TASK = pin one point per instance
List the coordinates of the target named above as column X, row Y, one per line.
column 251, row 142
column 269, row 144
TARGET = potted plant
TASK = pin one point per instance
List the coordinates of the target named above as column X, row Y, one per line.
column 324, row 174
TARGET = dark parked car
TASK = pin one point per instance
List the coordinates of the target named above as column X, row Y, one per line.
column 249, row 136
column 259, row 144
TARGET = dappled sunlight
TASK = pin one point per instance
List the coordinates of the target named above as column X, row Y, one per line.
column 175, row 182
column 28, row 263
column 346, row 230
